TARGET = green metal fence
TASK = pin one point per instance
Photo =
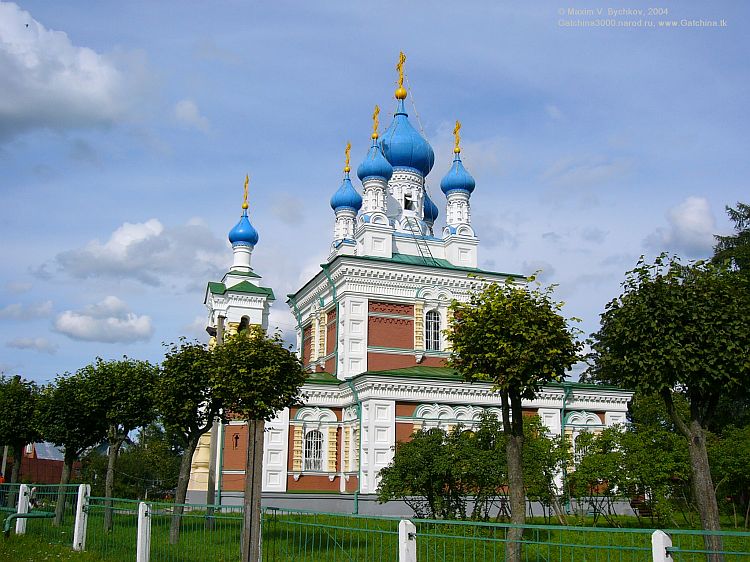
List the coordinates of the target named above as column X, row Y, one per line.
column 328, row 537
column 43, row 497
column 689, row 545
column 117, row 544
column 205, row 533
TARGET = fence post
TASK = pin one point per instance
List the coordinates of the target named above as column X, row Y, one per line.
column 82, row 517
column 407, row 541
column 660, row 541
column 143, row 547
column 23, row 507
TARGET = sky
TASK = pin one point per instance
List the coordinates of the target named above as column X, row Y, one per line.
column 127, row 128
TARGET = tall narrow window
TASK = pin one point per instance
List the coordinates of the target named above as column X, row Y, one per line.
column 314, row 450
column 432, row 330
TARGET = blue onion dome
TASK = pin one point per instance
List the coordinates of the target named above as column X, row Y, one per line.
column 244, row 233
column 430, row 210
column 375, row 165
column 346, row 197
column 457, row 178
column 403, row 146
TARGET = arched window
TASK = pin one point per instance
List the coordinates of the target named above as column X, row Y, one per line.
column 432, row 330
column 314, row 450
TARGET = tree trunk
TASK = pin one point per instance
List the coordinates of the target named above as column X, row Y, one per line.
column 109, row 484
column 61, row 496
column 14, row 472
column 253, row 485
column 703, row 488
column 513, row 429
column 182, row 485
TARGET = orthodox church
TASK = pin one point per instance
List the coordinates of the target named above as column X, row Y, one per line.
column 370, row 335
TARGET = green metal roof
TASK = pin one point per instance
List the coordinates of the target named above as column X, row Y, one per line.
column 441, row 263
column 418, row 372
column 322, row 378
column 242, row 287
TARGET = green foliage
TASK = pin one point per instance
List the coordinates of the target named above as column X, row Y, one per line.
column 512, row 336
column 730, row 459
column 677, row 327
column 124, row 393
column 184, row 392
column 146, row 468
column 18, row 419
column 735, row 248
column 68, row 416
column 439, row 474
column 256, row 376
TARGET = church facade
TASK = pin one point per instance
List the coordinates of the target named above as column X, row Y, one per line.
column 370, row 334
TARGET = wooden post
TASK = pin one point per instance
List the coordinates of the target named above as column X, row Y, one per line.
column 251, row 531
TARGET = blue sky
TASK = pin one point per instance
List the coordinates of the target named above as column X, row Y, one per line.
column 126, row 130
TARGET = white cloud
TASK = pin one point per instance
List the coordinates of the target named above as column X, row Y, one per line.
column 108, row 321
column 148, row 251
column 187, row 113
column 196, row 329
column 37, row 344
column 545, row 271
column 18, row 311
column 690, row 231
column 47, row 82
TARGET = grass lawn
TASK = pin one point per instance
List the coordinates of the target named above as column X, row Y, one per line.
column 333, row 538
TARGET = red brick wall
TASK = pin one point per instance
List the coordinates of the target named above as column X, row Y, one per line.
column 404, row 409
column 351, row 484
column 306, row 345
column 235, row 448
column 312, row 483
column 404, row 431
column 383, row 361
column 330, row 332
column 391, row 308
column 390, row 332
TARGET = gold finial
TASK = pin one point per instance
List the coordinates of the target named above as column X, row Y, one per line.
column 247, row 182
column 401, row 91
column 457, row 136
column 347, row 151
column 375, row 122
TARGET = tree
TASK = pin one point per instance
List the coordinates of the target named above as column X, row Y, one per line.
column 735, row 248
column 125, row 391
column 730, row 459
column 680, row 329
column 188, row 404
column 68, row 417
column 18, row 421
column 515, row 338
column 256, row 377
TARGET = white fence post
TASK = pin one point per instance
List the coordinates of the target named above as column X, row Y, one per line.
column 23, row 507
column 82, row 517
column 143, row 548
column 407, row 541
column 660, row 541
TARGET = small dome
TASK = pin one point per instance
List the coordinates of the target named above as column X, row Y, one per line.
column 457, row 178
column 404, row 147
column 244, row 233
column 346, row 197
column 375, row 165
column 430, row 210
